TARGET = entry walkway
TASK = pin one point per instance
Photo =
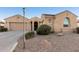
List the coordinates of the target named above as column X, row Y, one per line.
column 8, row 40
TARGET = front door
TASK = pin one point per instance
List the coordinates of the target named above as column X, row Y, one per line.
column 35, row 25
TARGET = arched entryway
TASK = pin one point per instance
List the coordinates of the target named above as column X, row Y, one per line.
column 35, row 25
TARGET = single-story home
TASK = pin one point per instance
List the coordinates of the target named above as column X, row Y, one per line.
column 63, row 21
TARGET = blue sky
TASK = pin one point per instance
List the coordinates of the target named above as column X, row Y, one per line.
column 52, row 10
column 8, row 11
column 35, row 11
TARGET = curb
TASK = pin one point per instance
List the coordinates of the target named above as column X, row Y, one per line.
column 14, row 46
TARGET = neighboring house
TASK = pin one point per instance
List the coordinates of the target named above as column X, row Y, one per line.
column 64, row 21
column 2, row 24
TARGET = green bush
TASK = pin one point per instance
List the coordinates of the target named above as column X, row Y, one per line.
column 2, row 29
column 77, row 30
column 44, row 30
column 5, row 29
column 29, row 35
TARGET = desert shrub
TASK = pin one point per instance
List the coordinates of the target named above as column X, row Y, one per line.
column 2, row 29
column 5, row 29
column 43, row 30
column 29, row 35
column 77, row 30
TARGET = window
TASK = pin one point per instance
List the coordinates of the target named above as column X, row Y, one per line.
column 66, row 22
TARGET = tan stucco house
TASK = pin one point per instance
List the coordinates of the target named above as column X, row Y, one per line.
column 56, row 21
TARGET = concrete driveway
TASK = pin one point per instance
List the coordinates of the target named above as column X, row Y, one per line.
column 8, row 40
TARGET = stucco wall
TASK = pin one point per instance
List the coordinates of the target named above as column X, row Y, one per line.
column 49, row 20
column 58, row 25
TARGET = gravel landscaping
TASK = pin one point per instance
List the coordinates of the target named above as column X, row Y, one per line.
column 69, row 42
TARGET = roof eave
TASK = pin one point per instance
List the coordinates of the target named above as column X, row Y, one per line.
column 67, row 11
